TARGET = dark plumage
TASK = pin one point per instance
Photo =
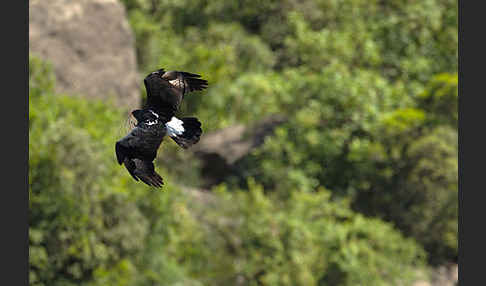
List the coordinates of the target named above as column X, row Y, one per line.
column 165, row 91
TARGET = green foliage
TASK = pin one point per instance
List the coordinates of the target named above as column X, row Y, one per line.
column 439, row 100
column 307, row 240
column 351, row 141
column 90, row 224
column 349, row 191
column 415, row 184
column 412, row 179
column 86, row 225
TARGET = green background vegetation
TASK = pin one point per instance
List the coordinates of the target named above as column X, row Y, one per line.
column 359, row 186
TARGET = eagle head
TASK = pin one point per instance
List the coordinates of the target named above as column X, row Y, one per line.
column 146, row 116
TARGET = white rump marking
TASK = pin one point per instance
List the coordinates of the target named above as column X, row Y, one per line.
column 174, row 127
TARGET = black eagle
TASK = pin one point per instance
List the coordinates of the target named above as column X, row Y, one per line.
column 165, row 91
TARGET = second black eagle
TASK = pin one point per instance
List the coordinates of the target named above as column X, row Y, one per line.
column 165, row 91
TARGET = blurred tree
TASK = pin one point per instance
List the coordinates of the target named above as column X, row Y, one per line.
column 85, row 224
column 414, row 181
column 369, row 90
column 90, row 224
column 308, row 240
column 360, row 81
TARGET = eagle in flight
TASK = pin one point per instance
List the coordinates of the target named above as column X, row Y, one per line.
column 165, row 91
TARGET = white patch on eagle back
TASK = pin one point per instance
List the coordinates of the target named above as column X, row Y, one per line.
column 174, row 127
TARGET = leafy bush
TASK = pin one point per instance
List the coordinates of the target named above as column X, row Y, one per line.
column 91, row 224
column 359, row 180
column 86, row 225
column 308, row 240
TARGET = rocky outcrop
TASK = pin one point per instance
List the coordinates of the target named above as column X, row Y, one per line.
column 221, row 150
column 234, row 142
column 90, row 45
column 444, row 275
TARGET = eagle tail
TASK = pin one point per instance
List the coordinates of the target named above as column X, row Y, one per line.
column 185, row 132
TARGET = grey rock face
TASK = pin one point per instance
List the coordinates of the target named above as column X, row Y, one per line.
column 221, row 150
column 91, row 47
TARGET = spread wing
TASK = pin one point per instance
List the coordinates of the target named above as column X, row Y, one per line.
column 165, row 90
column 186, row 82
column 143, row 170
column 138, row 169
column 137, row 151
